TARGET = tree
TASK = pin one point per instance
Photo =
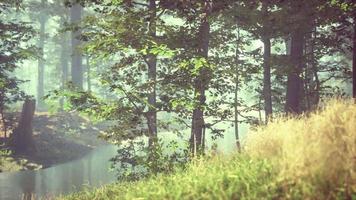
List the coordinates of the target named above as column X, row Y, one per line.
column 41, row 45
column 267, row 93
column 259, row 18
column 22, row 137
column 294, row 83
column 63, row 13
column 151, row 61
column 354, row 61
column 14, row 50
column 201, row 81
column 77, row 68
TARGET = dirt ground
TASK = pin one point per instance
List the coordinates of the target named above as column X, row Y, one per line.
column 59, row 138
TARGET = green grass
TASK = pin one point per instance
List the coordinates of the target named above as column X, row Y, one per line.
column 233, row 177
column 311, row 157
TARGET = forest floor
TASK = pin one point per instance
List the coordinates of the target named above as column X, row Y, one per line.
column 59, row 138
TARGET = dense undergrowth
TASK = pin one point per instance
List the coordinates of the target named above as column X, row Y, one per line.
column 310, row 157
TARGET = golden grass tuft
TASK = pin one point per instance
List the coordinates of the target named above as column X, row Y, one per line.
column 317, row 153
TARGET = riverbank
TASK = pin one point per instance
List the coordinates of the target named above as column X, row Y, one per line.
column 306, row 158
column 59, row 138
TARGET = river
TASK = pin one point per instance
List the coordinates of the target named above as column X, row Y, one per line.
column 90, row 171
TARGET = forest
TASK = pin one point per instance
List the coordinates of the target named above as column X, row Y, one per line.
column 177, row 99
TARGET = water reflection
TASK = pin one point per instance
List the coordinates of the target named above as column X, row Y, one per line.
column 92, row 170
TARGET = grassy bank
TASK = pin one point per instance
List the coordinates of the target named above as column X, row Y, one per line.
column 307, row 158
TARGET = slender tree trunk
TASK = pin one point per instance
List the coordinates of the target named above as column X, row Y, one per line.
column 201, row 83
column 64, row 65
column 3, row 120
column 267, row 93
column 315, row 72
column 354, row 62
column 88, row 74
column 260, row 110
column 77, row 68
column 236, row 100
column 152, row 73
column 41, row 67
column 312, row 74
column 295, row 83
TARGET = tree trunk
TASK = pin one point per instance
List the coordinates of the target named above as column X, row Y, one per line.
column 295, row 83
column 266, row 39
column 200, row 83
column 22, row 137
column 40, row 84
column 354, row 62
column 64, row 64
column 77, row 68
column 152, row 70
column 3, row 121
column 312, row 77
column 88, row 74
column 267, row 93
column 236, row 102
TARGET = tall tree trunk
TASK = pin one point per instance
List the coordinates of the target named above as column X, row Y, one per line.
column 295, row 83
column 64, row 63
column 77, row 68
column 236, row 100
column 41, row 67
column 201, row 83
column 152, row 76
column 354, row 62
column 312, row 73
column 266, row 39
column 267, row 92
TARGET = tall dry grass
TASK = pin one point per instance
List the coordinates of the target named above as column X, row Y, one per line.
column 315, row 154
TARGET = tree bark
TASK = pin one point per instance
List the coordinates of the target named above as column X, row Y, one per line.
column 22, row 137
column 88, row 74
column 201, row 83
column 266, row 39
column 354, row 62
column 41, row 67
column 312, row 77
column 267, row 92
column 152, row 76
column 77, row 68
column 64, row 61
column 236, row 120
column 295, row 83
column 3, row 121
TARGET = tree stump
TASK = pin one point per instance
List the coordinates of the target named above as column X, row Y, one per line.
column 22, row 137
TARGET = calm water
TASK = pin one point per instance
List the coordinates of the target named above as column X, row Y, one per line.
column 91, row 170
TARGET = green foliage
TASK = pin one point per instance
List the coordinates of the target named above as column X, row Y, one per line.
column 13, row 51
column 136, row 161
column 344, row 5
column 158, row 50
